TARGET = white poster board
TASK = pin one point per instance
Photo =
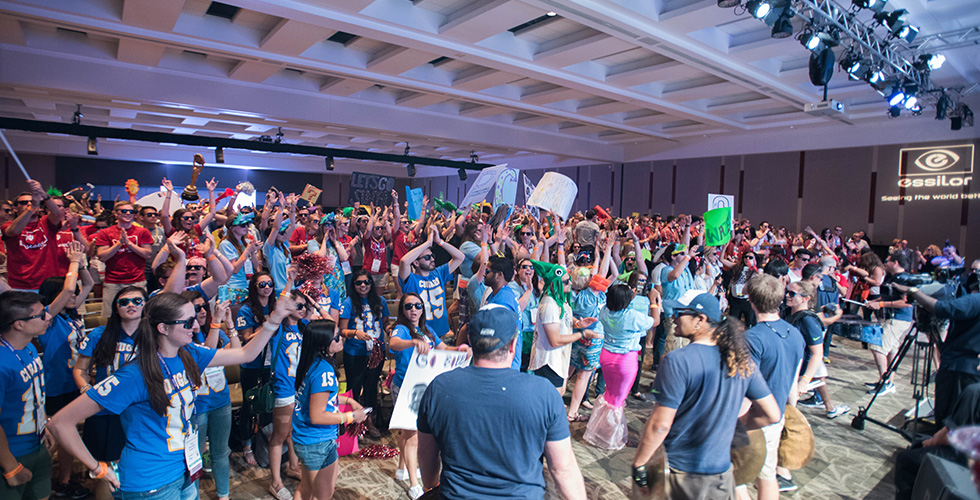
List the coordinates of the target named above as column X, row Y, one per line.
column 720, row 201
column 482, row 186
column 505, row 193
column 554, row 193
column 421, row 370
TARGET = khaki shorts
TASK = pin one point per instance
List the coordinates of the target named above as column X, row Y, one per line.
column 686, row 486
column 773, row 433
column 892, row 333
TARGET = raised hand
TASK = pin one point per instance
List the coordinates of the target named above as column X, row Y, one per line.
column 75, row 251
column 211, row 184
column 219, row 310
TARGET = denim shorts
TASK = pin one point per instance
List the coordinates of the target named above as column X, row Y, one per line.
column 318, row 455
column 180, row 489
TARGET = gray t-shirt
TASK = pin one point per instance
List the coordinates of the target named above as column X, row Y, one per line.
column 586, row 232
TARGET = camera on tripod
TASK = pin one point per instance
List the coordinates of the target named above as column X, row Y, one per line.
column 907, row 279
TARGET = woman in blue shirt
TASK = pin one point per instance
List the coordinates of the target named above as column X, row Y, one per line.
column 242, row 253
column 154, row 395
column 285, row 359
column 315, row 416
column 259, row 303
column 276, row 247
column 362, row 323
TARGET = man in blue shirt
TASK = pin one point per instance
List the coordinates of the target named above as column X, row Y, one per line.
column 675, row 279
column 429, row 281
column 496, row 276
column 898, row 322
column 511, row 420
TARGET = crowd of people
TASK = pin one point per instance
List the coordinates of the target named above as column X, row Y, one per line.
column 280, row 290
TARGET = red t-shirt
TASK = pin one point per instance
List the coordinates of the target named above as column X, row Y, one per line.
column 31, row 255
column 125, row 266
column 65, row 237
column 398, row 248
column 298, row 238
column 89, row 232
column 375, row 251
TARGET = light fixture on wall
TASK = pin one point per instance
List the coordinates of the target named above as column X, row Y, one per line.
column 330, row 165
column 462, row 174
column 93, row 146
column 219, row 155
column 411, row 170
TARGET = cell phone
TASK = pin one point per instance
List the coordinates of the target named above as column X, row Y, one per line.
column 829, row 308
column 368, row 410
column 222, row 293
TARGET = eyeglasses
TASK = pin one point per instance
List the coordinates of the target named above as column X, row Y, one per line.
column 127, row 211
column 265, row 284
column 526, row 234
column 427, row 257
column 36, row 316
column 791, row 294
column 136, row 301
column 362, row 282
column 24, row 203
column 8, row 210
column 186, row 323
column 414, row 305
column 151, row 214
column 195, row 268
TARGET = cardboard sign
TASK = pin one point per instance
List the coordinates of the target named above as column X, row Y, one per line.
column 370, row 188
column 718, row 226
column 555, row 193
column 414, row 198
column 421, row 370
column 311, row 194
column 528, row 189
column 482, row 186
column 505, row 192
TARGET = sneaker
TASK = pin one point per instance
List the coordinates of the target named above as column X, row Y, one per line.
column 887, row 389
column 401, row 474
column 71, row 490
column 811, row 402
column 826, row 360
column 870, row 385
column 415, row 491
column 785, row 484
column 838, row 411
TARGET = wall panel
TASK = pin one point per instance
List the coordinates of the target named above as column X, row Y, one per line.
column 770, row 189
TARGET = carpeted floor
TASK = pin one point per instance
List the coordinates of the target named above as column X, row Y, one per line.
column 847, row 464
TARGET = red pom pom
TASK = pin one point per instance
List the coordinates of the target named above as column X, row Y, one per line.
column 378, row 451
column 310, row 267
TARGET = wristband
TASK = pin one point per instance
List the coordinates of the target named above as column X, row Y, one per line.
column 13, row 472
column 215, row 326
column 103, row 469
column 640, row 476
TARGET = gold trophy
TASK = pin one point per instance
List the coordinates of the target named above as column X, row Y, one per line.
column 190, row 192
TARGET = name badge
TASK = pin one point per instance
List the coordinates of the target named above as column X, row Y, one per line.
column 346, row 267
column 215, row 377
column 192, row 455
column 375, row 266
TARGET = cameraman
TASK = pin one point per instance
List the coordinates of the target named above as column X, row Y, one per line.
column 898, row 322
column 958, row 355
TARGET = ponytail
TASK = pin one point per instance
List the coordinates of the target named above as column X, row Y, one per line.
column 729, row 336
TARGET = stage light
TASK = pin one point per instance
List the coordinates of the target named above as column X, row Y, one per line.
column 821, row 66
column 474, row 158
column 219, row 155
column 728, row 3
column 462, row 174
column 758, row 8
column 783, row 26
column 895, row 111
column 930, row 62
column 411, row 170
column 811, row 41
column 330, row 165
column 551, row 14
column 941, row 105
column 93, row 146
column 875, row 5
column 896, row 97
column 907, row 33
column 857, row 68
column 911, row 102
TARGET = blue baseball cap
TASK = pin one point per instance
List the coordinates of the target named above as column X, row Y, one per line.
column 494, row 320
column 698, row 301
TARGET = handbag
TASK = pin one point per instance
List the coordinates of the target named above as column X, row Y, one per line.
column 261, row 398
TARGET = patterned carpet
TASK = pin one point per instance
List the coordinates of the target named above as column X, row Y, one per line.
column 847, row 464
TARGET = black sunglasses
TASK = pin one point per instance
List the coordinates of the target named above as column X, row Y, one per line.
column 749, row 257
column 414, row 305
column 136, row 301
column 8, row 210
column 151, row 214
column 195, row 268
column 427, row 257
column 186, row 323
column 791, row 294
column 527, row 266
column 24, row 202
column 188, row 217
column 36, row 316
column 301, row 306
column 265, row 284
column 127, row 211
column 198, row 308
column 362, row 282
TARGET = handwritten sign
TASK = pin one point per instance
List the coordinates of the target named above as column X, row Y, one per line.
column 311, row 194
column 370, row 188
column 422, row 369
column 414, row 198
column 555, row 193
column 505, row 193
column 718, row 226
column 482, row 186
column 528, row 189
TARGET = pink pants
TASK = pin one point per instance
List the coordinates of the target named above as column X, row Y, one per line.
column 619, row 370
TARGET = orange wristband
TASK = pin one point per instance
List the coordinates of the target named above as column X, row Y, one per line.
column 14, row 471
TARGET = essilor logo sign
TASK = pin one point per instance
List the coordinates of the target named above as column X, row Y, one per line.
column 937, row 160
column 942, row 166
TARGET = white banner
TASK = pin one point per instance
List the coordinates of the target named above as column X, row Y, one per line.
column 506, row 191
column 720, row 201
column 482, row 186
column 421, row 370
column 555, row 193
column 528, row 189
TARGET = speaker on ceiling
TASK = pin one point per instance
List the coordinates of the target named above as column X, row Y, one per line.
column 821, row 67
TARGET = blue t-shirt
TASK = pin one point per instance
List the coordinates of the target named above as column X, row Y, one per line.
column 812, row 331
column 60, row 344
column 278, row 260
column 827, row 292
column 470, row 250
column 622, row 329
column 587, row 303
column 153, row 442
column 239, row 279
column 22, row 390
column 330, row 299
column 246, row 320
column 285, row 359
column 213, row 393
column 640, row 304
column 777, row 349
column 404, row 356
column 125, row 351
column 674, row 289
column 432, row 289
column 366, row 323
column 319, row 378
column 518, row 410
column 694, row 382
column 959, row 351
column 507, row 298
column 530, row 313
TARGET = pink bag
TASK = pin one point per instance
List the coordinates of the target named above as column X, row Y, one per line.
column 346, row 445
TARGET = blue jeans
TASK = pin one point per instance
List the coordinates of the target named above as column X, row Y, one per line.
column 215, row 427
column 177, row 490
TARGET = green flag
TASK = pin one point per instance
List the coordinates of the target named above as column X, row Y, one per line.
column 718, row 226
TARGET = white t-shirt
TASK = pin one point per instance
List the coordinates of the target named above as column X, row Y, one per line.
column 542, row 352
column 656, row 274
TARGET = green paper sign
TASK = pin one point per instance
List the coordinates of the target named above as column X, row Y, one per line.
column 717, row 226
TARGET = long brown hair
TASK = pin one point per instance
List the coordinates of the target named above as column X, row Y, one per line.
column 422, row 332
column 729, row 336
column 160, row 308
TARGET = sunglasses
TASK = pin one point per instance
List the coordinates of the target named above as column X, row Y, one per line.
column 427, row 257
column 414, row 305
column 243, row 224
column 188, row 217
column 685, row 312
column 198, row 308
column 750, row 257
column 127, row 211
column 195, row 268
column 527, row 266
column 186, row 323
column 152, row 214
column 301, row 306
column 362, row 283
column 136, row 301
column 24, row 202
column 265, row 284
column 8, row 210
column 791, row 294
column 526, row 234
column 36, row 316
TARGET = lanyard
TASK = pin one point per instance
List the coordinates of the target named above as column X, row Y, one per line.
column 34, row 384
column 173, row 383
column 782, row 336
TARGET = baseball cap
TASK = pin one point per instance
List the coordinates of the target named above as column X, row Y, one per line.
column 696, row 300
column 494, row 320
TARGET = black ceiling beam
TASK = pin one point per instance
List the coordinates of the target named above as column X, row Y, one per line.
column 213, row 142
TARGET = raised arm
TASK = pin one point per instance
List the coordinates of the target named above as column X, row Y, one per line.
column 165, row 211
column 75, row 255
column 177, row 280
column 212, row 205
column 455, row 253
column 284, row 307
column 405, row 266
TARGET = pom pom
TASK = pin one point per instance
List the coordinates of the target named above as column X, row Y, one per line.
column 132, row 187
column 245, row 187
column 54, row 192
column 378, row 451
column 310, row 267
column 347, row 211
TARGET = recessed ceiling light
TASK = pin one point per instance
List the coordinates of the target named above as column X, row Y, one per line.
column 552, row 13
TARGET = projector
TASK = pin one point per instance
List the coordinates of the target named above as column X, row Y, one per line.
column 824, row 108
